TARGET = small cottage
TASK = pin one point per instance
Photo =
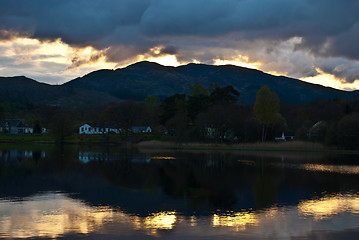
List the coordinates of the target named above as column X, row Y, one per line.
column 88, row 129
column 15, row 126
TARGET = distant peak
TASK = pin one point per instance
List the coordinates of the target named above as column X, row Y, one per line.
column 19, row 78
column 145, row 63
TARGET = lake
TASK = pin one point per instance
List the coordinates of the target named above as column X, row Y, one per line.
column 73, row 192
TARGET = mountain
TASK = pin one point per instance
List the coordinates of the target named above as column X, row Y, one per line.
column 24, row 90
column 141, row 79
column 146, row 78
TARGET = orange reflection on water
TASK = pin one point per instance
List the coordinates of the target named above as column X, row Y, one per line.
column 163, row 158
column 53, row 215
column 329, row 206
column 155, row 222
column 160, row 221
column 193, row 221
column 343, row 169
column 239, row 221
column 49, row 216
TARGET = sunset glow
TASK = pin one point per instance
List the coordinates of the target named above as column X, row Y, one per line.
column 65, row 43
column 330, row 80
column 238, row 62
column 168, row 60
column 72, row 62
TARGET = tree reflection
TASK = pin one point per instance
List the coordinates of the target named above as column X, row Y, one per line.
column 187, row 182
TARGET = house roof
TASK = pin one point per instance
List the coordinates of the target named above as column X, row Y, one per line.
column 13, row 123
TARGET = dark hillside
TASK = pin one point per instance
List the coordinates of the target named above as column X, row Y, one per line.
column 141, row 79
column 145, row 78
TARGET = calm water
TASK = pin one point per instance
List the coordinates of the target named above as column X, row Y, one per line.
column 73, row 193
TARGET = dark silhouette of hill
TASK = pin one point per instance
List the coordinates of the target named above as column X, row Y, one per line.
column 141, row 79
column 146, row 78
column 24, row 90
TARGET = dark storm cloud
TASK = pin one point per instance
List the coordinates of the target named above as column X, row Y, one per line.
column 78, row 62
column 124, row 29
column 342, row 68
column 172, row 50
column 77, row 22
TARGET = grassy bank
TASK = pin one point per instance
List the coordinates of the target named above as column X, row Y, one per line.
column 96, row 139
column 5, row 138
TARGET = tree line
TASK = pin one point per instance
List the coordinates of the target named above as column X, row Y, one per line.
column 213, row 114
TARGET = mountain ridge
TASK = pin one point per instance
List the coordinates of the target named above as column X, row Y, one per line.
column 141, row 79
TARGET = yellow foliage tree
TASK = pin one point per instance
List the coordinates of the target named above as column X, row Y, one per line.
column 266, row 109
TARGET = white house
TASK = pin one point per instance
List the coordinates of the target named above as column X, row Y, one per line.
column 87, row 129
column 141, row 129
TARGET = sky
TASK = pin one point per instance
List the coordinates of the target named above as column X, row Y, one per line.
column 55, row 41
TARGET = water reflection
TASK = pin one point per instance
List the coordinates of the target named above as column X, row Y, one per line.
column 49, row 215
column 156, row 222
column 86, row 157
column 238, row 221
column 329, row 206
column 54, row 215
column 175, row 194
column 17, row 156
column 161, row 220
column 163, row 157
column 342, row 169
column 89, row 156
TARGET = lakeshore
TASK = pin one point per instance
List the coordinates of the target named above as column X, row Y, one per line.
column 150, row 142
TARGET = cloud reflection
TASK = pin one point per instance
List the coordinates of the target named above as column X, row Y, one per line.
column 49, row 215
column 329, row 206
column 342, row 169
column 53, row 215
column 238, row 221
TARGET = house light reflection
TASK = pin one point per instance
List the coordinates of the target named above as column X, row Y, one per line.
column 328, row 206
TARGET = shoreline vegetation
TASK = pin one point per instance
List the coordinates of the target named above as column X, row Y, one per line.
column 207, row 118
column 144, row 142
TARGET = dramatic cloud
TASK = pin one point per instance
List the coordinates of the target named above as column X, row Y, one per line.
column 295, row 37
